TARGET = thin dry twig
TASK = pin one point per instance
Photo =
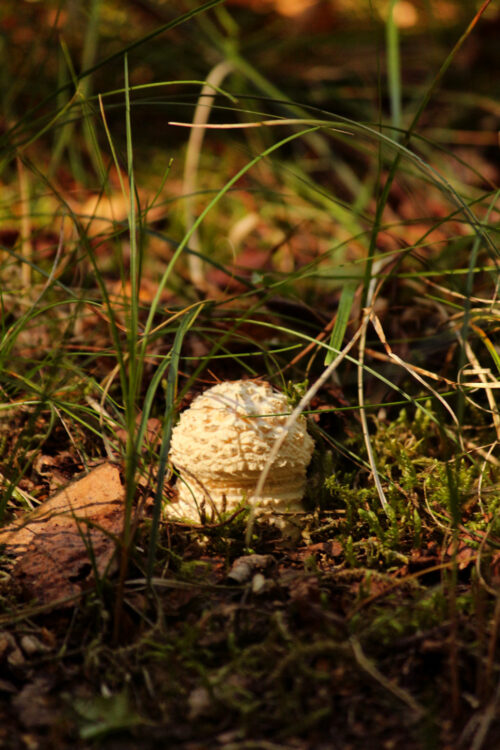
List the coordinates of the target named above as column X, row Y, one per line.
column 369, row 667
column 303, row 404
column 370, row 297
column 412, row 371
column 258, row 124
column 487, row 384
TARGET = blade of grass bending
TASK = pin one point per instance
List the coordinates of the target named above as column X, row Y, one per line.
column 131, row 370
column 369, row 370
column 488, row 344
column 341, row 321
column 464, row 334
column 291, row 419
column 339, row 125
column 184, row 326
column 90, row 253
column 135, row 363
column 28, row 116
column 131, row 378
column 368, row 288
column 193, row 311
column 381, row 203
column 183, row 244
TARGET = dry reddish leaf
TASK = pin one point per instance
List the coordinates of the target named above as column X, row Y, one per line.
column 464, row 555
column 56, row 549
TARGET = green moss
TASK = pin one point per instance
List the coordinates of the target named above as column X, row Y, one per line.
column 427, row 492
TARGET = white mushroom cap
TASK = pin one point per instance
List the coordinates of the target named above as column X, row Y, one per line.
column 222, row 443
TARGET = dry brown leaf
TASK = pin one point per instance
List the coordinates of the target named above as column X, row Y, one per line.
column 101, row 213
column 54, row 550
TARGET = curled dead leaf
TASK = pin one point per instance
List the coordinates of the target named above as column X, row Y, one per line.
column 56, row 551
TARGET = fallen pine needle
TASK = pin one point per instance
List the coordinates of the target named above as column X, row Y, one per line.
column 260, row 124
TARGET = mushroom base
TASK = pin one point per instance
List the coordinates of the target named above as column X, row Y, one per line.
column 201, row 502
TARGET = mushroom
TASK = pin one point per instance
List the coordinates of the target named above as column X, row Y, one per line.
column 222, row 443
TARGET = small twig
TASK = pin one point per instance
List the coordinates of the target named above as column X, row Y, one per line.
column 368, row 312
column 480, row 450
column 261, row 123
column 413, row 368
column 364, row 422
column 413, row 371
column 392, row 687
column 481, row 374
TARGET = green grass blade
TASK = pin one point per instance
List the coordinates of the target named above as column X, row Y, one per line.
column 203, row 214
column 7, row 137
column 135, row 364
column 170, row 395
column 384, row 196
column 341, row 321
column 158, row 375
